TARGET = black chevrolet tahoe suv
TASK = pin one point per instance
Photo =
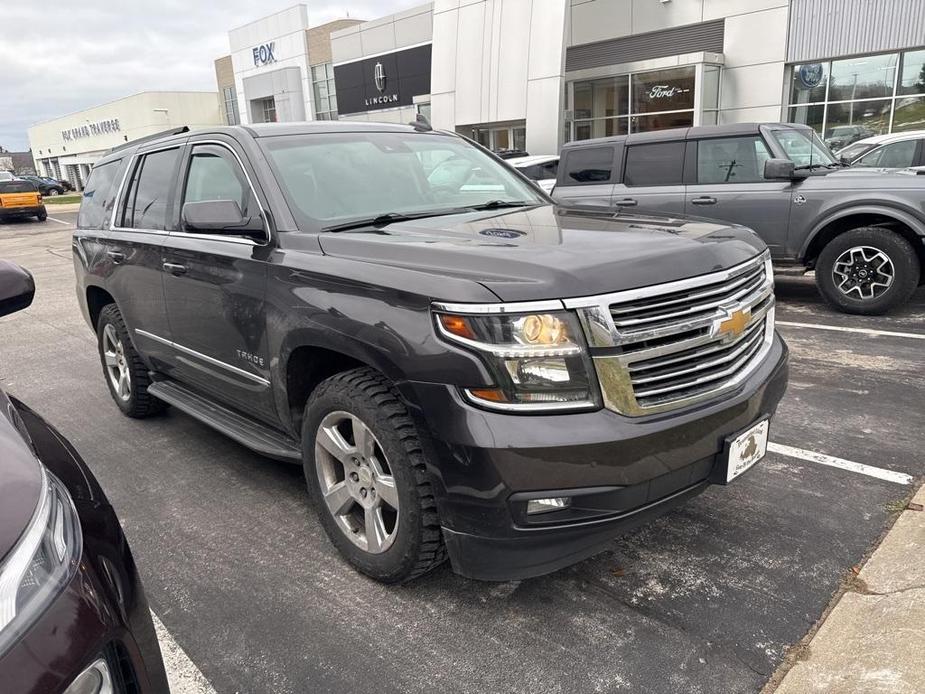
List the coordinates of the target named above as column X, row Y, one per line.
column 463, row 368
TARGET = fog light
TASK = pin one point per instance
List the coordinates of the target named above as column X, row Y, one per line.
column 94, row 680
column 553, row 503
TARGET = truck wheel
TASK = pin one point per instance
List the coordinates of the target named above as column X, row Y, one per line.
column 868, row 270
column 126, row 375
column 365, row 470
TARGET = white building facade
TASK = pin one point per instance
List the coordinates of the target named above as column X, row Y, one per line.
column 532, row 74
column 67, row 147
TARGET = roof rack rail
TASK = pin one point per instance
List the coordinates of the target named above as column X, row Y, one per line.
column 154, row 136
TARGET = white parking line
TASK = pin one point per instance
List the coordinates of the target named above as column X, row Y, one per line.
column 59, row 221
column 869, row 470
column 862, row 331
column 182, row 675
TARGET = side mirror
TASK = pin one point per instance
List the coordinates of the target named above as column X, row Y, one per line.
column 221, row 217
column 781, row 169
column 17, row 288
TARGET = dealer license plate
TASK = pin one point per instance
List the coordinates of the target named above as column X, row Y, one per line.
column 746, row 449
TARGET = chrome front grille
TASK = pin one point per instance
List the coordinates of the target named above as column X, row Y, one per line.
column 670, row 345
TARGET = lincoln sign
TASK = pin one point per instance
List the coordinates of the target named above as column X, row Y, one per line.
column 385, row 81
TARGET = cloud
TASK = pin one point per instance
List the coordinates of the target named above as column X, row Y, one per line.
column 60, row 59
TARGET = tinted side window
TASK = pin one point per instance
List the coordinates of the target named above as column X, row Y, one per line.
column 731, row 160
column 146, row 201
column 657, row 164
column 550, row 169
column 588, row 165
column 214, row 174
column 98, row 195
column 531, row 172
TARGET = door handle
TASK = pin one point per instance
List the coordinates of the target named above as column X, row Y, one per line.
column 626, row 202
column 116, row 256
column 175, row 268
column 704, row 200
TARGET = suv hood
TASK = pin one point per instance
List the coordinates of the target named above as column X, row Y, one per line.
column 864, row 178
column 20, row 477
column 552, row 252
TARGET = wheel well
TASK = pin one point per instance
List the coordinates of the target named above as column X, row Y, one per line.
column 305, row 369
column 839, row 226
column 97, row 300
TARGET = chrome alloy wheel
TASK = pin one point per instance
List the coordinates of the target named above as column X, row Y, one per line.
column 863, row 271
column 117, row 368
column 356, row 482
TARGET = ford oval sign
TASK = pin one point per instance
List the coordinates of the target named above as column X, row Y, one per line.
column 502, row 233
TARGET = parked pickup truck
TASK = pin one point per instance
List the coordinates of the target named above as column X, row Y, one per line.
column 463, row 371
column 861, row 231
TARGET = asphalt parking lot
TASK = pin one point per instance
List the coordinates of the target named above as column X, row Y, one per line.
column 706, row 599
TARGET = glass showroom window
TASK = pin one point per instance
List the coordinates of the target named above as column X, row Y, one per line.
column 847, row 100
column 325, row 96
column 638, row 102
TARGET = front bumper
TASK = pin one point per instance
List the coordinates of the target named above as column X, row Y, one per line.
column 625, row 471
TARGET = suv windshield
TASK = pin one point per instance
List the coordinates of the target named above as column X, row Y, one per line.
column 803, row 147
column 334, row 178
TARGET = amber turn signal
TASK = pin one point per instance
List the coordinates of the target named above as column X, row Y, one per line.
column 457, row 325
column 490, row 394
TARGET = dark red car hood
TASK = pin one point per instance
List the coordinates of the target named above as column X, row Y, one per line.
column 20, row 477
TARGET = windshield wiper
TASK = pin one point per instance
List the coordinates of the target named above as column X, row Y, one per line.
column 382, row 220
column 811, row 166
column 498, row 204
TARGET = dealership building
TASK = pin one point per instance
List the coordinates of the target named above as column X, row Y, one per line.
column 532, row 74
column 67, row 147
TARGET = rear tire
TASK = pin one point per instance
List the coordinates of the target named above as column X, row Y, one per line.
column 42, row 217
column 125, row 373
column 867, row 271
column 400, row 538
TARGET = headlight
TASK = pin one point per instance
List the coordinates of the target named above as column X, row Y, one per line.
column 41, row 563
column 539, row 360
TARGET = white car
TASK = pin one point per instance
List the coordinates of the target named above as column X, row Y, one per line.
column 7, row 176
column 904, row 150
column 541, row 168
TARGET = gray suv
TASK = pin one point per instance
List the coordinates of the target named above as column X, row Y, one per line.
column 862, row 231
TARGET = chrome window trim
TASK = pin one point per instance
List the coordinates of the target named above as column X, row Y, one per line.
column 118, row 202
column 511, row 307
column 250, row 184
column 185, row 234
column 204, row 357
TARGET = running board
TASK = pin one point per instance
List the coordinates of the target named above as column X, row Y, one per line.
column 258, row 437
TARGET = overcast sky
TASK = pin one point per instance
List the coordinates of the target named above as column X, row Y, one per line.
column 57, row 58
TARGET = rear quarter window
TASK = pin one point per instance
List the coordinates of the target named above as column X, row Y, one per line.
column 98, row 195
column 587, row 166
column 656, row 164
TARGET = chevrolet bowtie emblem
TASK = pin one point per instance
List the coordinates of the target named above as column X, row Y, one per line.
column 735, row 324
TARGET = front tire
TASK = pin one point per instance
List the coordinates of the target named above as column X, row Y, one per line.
column 365, row 470
column 867, row 271
column 124, row 371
